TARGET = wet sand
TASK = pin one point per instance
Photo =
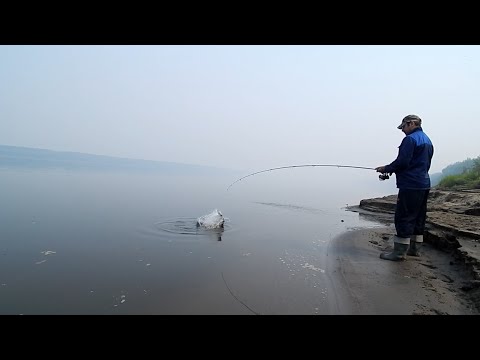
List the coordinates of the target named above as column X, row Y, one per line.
column 362, row 283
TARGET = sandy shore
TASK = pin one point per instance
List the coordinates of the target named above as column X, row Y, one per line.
column 362, row 283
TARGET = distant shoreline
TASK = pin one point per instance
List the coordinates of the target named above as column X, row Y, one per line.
column 33, row 158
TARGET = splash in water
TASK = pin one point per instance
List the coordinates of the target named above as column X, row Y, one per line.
column 214, row 220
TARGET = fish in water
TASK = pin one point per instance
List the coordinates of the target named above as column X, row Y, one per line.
column 214, row 220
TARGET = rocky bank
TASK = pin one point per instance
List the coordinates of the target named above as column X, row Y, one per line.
column 453, row 226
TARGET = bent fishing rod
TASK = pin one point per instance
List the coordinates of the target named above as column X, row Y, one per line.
column 383, row 176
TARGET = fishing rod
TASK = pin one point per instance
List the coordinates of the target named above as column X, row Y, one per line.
column 383, row 176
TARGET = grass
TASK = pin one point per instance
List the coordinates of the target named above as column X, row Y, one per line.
column 469, row 179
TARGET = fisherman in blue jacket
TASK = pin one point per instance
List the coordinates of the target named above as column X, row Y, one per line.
column 413, row 182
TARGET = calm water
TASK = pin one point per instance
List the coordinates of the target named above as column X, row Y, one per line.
column 113, row 243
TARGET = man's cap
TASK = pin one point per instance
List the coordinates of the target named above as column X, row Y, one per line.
column 409, row 118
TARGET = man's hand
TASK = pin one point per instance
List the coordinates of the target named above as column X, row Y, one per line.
column 380, row 169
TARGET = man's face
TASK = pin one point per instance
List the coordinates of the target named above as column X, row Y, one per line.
column 408, row 127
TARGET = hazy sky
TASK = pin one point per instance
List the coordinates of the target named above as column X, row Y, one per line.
column 241, row 107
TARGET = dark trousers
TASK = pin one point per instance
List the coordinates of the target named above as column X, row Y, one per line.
column 411, row 212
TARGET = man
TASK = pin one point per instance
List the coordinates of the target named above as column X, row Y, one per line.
column 413, row 182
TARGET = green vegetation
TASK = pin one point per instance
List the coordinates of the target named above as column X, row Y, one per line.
column 469, row 178
column 457, row 168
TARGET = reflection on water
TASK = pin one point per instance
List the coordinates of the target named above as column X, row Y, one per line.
column 291, row 207
column 100, row 243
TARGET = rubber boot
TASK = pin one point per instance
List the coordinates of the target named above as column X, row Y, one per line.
column 415, row 244
column 400, row 247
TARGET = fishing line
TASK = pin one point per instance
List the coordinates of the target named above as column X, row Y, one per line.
column 240, row 301
column 309, row 165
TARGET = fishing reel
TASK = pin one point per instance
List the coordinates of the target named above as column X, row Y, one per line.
column 384, row 176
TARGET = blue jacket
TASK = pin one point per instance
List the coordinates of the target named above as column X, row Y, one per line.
column 413, row 161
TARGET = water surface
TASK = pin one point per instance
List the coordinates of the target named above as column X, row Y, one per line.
column 115, row 243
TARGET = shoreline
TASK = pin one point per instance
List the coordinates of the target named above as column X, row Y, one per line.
column 451, row 238
column 364, row 284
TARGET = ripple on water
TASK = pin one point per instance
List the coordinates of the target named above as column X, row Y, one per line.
column 184, row 227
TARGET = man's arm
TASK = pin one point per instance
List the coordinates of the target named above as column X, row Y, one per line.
column 405, row 153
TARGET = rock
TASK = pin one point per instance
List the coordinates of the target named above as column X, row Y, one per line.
column 446, row 210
